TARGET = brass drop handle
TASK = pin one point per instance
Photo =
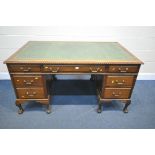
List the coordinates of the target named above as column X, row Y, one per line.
column 94, row 71
column 123, row 71
column 51, row 69
column 116, row 95
column 28, row 83
column 120, row 83
column 25, row 70
column 55, row 71
column 31, row 95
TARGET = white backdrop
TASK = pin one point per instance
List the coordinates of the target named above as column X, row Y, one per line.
column 139, row 40
column 79, row 12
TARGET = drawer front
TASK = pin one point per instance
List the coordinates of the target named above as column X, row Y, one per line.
column 73, row 69
column 119, row 81
column 117, row 93
column 24, row 68
column 28, row 81
column 123, row 69
column 30, row 93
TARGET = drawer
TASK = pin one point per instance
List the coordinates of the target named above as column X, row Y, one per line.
column 30, row 93
column 119, row 81
column 28, row 81
column 117, row 93
column 24, row 68
column 73, row 69
column 123, row 69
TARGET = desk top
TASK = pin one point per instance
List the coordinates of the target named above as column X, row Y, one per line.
column 67, row 52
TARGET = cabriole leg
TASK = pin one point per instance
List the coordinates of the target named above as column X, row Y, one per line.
column 21, row 110
column 99, row 110
column 125, row 110
column 48, row 109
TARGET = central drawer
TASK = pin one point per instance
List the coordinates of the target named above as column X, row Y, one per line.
column 30, row 93
column 28, row 81
column 73, row 69
column 119, row 81
column 117, row 93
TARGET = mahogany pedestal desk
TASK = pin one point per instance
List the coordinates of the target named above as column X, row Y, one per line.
column 111, row 66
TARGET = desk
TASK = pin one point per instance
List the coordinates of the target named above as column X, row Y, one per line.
column 112, row 67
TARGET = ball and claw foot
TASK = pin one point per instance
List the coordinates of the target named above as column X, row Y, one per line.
column 125, row 110
column 99, row 110
column 48, row 111
column 20, row 111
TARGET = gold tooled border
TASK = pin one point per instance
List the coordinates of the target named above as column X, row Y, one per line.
column 8, row 59
column 141, row 62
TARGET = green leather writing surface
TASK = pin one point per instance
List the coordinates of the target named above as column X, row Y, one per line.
column 72, row 52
